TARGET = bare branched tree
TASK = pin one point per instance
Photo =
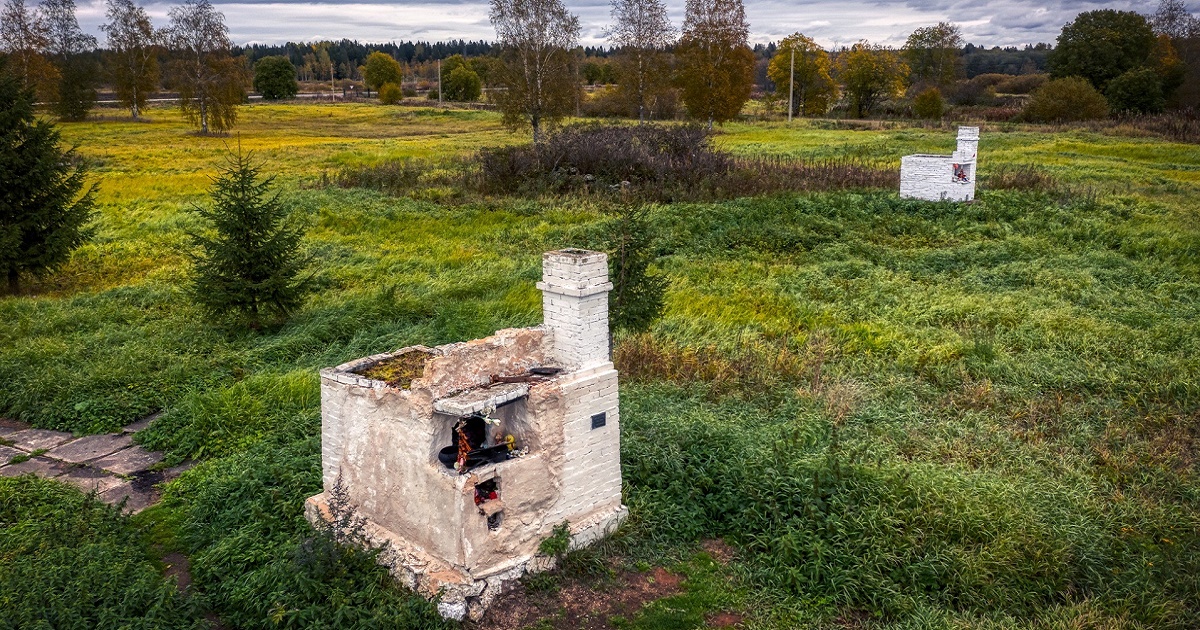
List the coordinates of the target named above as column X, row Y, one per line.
column 68, row 45
column 1173, row 19
column 539, row 79
column 65, row 36
column 133, row 43
column 641, row 31
column 210, row 82
column 716, row 63
column 25, row 38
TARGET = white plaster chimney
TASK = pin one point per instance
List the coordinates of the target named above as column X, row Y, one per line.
column 968, row 144
column 575, row 290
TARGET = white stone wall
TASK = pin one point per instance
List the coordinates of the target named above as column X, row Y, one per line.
column 575, row 290
column 591, row 475
column 931, row 177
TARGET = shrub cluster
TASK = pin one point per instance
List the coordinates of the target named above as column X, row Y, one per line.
column 1066, row 100
column 1138, row 90
column 929, row 104
column 390, row 94
column 660, row 164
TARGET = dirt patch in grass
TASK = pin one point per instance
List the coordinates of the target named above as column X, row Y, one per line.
column 724, row 620
column 719, row 550
column 853, row 619
column 398, row 371
column 178, row 567
column 581, row 604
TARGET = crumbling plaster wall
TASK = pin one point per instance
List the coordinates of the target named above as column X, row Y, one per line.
column 383, row 441
column 386, row 454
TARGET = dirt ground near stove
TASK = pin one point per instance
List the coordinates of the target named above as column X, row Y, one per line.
column 581, row 604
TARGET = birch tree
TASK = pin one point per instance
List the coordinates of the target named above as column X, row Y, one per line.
column 68, row 43
column 133, row 43
column 641, row 32
column 25, row 38
column 538, row 78
column 871, row 74
column 801, row 67
column 932, row 54
column 210, row 82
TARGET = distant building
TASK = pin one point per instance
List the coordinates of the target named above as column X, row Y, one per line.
column 942, row 177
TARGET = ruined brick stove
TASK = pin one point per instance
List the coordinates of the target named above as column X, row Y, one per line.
column 464, row 457
column 942, row 177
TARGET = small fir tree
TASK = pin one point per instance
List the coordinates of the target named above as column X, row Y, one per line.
column 250, row 267
column 636, row 299
column 43, row 216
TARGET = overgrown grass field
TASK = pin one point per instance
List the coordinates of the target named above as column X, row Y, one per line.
column 901, row 414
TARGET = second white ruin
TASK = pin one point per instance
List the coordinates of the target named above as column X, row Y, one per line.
column 942, row 177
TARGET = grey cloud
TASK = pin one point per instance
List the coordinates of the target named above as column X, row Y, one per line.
column 830, row 22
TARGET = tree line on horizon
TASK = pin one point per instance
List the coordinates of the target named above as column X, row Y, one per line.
column 707, row 68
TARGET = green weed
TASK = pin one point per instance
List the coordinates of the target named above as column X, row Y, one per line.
column 902, row 413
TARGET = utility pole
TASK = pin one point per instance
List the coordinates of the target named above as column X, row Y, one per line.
column 791, row 83
column 439, row 81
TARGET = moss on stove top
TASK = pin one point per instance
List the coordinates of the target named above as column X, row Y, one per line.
column 398, row 371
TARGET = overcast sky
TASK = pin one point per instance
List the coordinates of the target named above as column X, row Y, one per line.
column 830, row 22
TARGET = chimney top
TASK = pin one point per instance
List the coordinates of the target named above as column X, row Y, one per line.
column 575, row 290
column 575, row 272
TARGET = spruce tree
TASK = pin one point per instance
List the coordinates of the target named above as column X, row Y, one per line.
column 43, row 216
column 248, row 266
column 636, row 299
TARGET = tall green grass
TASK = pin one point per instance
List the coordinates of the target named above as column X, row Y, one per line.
column 904, row 414
column 70, row 561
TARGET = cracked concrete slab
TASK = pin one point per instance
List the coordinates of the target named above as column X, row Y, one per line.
column 128, row 461
column 35, row 439
column 40, row 466
column 142, row 424
column 7, row 453
column 135, row 500
column 88, row 479
column 90, row 447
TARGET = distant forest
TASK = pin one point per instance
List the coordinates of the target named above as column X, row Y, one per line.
column 348, row 55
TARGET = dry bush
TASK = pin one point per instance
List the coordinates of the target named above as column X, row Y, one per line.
column 758, row 365
column 1000, row 113
column 660, row 164
column 1065, row 100
column 1021, row 84
column 399, row 177
column 1178, row 126
column 1021, row 177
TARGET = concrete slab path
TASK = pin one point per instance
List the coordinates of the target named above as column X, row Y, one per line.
column 109, row 464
